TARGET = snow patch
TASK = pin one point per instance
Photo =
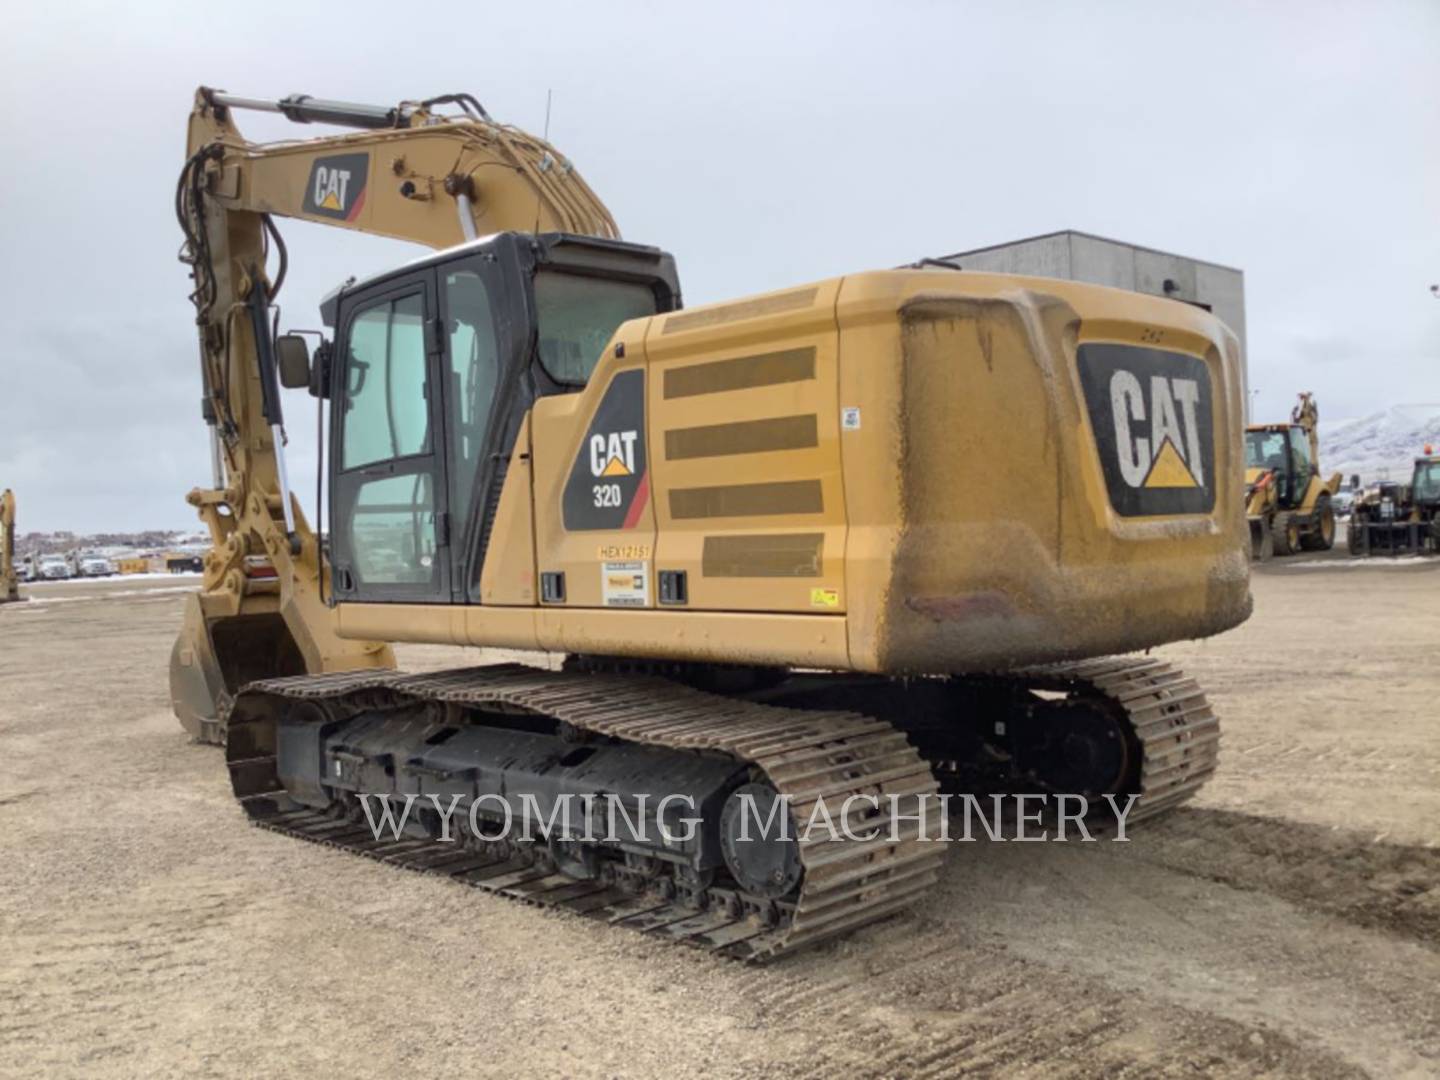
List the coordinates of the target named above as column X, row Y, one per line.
column 110, row 595
column 1379, row 562
column 153, row 575
column 1383, row 445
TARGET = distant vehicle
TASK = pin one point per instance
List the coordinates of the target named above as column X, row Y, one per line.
column 1342, row 501
column 1392, row 518
column 53, row 568
column 1287, row 504
column 88, row 564
column 184, row 564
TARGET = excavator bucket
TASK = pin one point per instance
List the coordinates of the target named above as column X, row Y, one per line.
column 210, row 662
column 197, row 689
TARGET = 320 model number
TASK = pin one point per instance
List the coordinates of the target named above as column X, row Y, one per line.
column 607, row 495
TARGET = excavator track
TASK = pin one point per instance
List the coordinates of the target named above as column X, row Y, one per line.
column 806, row 755
column 1172, row 722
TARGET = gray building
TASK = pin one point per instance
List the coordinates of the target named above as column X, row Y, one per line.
column 1078, row 256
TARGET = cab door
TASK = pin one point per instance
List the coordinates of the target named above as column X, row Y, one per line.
column 483, row 405
column 390, row 535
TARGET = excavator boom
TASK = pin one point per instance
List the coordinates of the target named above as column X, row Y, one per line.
column 411, row 174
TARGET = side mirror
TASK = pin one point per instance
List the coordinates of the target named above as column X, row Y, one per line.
column 292, row 354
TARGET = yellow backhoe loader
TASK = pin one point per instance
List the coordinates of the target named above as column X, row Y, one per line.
column 9, row 584
column 1287, row 505
column 844, row 545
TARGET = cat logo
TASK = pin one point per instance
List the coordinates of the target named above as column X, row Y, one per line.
column 1157, row 460
column 1150, row 411
column 613, row 454
column 337, row 186
column 330, row 185
column 609, row 487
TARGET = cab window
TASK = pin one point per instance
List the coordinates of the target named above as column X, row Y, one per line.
column 578, row 315
column 472, row 368
column 1300, row 451
column 1265, row 450
column 386, row 406
column 385, row 495
column 1427, row 482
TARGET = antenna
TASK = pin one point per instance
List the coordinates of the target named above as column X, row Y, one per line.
column 545, row 158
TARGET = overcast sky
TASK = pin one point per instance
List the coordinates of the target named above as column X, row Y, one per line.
column 764, row 147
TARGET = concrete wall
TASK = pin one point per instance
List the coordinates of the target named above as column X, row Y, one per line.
column 1077, row 256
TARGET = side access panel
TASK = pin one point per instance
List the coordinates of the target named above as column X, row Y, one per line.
column 594, row 519
column 744, row 423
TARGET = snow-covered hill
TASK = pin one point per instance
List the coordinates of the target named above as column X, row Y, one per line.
column 1381, row 444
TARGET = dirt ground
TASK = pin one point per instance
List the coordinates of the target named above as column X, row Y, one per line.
column 1286, row 924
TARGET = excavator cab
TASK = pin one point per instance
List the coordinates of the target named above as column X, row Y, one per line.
column 432, row 370
column 1285, row 453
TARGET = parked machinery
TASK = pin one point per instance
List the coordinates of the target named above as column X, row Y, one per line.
column 1288, row 506
column 88, row 564
column 855, row 538
column 9, row 583
column 1391, row 518
column 183, row 562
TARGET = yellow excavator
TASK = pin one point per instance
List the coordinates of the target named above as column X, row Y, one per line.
column 848, row 544
column 1287, row 505
column 9, row 583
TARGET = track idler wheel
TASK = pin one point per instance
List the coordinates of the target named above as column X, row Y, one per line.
column 1075, row 747
column 762, row 860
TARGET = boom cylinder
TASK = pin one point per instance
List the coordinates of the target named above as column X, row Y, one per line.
column 304, row 109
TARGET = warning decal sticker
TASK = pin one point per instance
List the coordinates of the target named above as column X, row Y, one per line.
column 625, row 584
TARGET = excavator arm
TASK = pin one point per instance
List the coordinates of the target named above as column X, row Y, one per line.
column 409, row 172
